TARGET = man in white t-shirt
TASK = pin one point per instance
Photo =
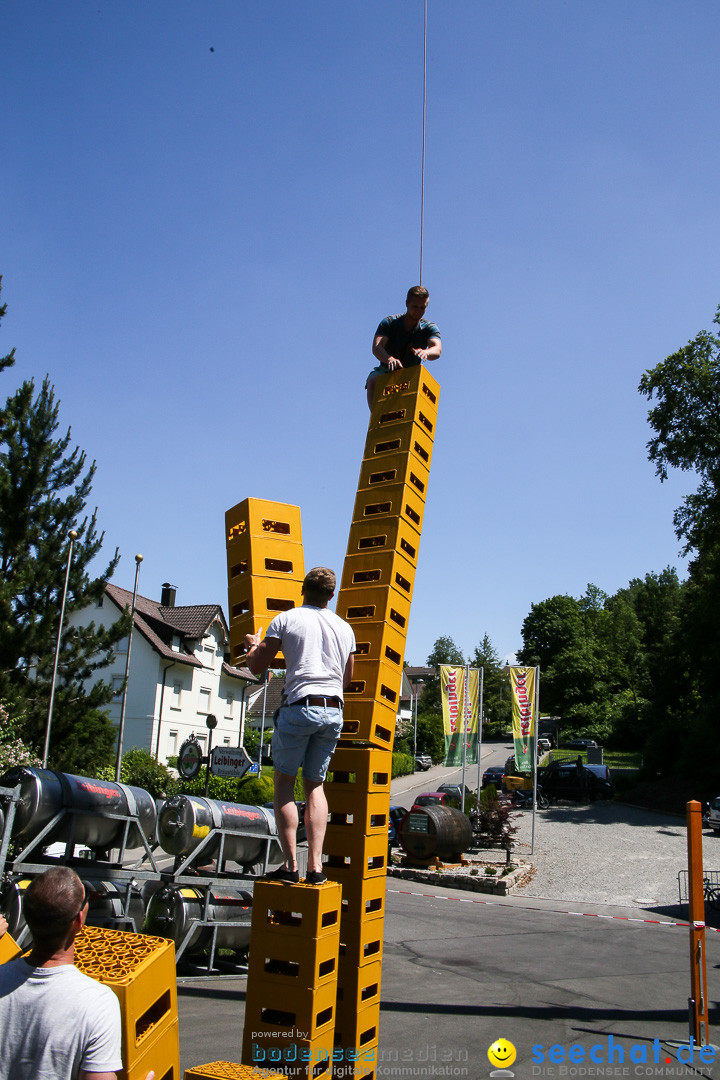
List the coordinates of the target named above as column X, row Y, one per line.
column 318, row 647
column 55, row 1022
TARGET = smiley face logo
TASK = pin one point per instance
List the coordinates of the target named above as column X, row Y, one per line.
column 502, row 1054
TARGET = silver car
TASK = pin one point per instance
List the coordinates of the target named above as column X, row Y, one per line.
column 712, row 818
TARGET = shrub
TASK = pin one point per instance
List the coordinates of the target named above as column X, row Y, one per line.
column 13, row 750
column 402, row 765
column 139, row 768
column 492, row 820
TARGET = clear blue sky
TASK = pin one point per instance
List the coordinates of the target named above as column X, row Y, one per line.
column 208, row 206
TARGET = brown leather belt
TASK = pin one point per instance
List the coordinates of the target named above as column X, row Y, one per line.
column 321, row 702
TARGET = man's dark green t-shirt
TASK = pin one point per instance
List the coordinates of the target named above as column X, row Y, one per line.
column 401, row 341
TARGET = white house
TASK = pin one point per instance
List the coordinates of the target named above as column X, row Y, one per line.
column 178, row 672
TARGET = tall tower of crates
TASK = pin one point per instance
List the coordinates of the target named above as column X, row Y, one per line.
column 375, row 597
column 265, row 567
column 316, row 951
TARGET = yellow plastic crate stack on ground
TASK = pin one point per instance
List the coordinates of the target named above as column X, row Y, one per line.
column 140, row 970
column 265, row 566
column 292, row 978
column 375, row 596
column 9, row 948
column 227, row 1070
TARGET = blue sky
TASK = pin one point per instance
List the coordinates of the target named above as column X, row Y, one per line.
column 208, row 206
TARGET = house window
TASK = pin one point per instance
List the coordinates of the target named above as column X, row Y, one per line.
column 226, row 740
column 175, row 702
column 117, row 685
column 204, row 704
column 208, row 657
column 201, row 739
column 121, row 645
column 176, row 643
column 99, row 603
column 229, row 706
column 172, row 743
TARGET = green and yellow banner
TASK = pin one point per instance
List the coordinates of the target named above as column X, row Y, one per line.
column 460, row 713
column 524, row 720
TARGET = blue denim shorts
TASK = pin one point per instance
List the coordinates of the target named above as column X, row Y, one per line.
column 306, row 735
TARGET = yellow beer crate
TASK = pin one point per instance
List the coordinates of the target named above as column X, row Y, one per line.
column 368, row 721
column 395, row 500
column 388, row 569
column 260, row 517
column 386, row 534
column 280, row 960
column 361, row 769
column 300, row 911
column 140, row 970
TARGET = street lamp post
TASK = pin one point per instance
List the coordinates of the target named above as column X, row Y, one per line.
column 121, row 729
column 415, row 706
column 210, row 724
column 73, row 537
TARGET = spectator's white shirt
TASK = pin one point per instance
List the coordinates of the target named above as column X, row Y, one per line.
column 55, row 1021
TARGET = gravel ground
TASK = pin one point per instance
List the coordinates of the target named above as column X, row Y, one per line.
column 607, row 853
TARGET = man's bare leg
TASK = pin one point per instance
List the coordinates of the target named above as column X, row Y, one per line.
column 371, row 390
column 316, row 812
column 286, row 815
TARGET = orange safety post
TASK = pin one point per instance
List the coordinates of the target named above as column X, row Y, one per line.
column 698, row 1003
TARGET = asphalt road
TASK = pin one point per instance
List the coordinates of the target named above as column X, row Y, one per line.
column 461, row 970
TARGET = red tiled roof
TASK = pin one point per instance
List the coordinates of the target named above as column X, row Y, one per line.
column 159, row 624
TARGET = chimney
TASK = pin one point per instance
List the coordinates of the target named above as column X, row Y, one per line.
column 167, row 596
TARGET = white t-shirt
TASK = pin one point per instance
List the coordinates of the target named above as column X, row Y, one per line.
column 55, row 1021
column 316, row 644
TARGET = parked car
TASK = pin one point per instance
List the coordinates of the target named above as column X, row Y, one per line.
column 494, row 774
column 601, row 771
column 397, row 813
column 455, row 791
column 580, row 744
column 544, row 745
column 423, row 762
column 432, row 798
column 712, row 817
column 565, row 780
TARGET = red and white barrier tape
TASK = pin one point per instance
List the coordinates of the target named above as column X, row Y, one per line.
column 553, row 911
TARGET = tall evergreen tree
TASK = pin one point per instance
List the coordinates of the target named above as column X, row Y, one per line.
column 44, row 487
column 496, row 688
column 444, row 651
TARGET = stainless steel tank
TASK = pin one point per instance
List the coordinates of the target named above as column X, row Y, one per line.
column 172, row 909
column 43, row 793
column 12, row 901
column 185, row 820
column 111, row 906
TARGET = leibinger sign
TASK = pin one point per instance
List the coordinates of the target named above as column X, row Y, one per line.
column 611, row 1058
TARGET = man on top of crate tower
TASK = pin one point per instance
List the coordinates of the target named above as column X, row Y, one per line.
column 404, row 340
column 54, row 1020
column 318, row 647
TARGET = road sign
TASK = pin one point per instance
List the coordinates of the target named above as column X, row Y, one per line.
column 190, row 758
column 230, row 761
column 254, row 769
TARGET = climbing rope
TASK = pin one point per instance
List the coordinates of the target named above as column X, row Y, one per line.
column 422, row 171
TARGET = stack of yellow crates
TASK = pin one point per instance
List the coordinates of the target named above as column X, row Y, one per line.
column 140, row 970
column 265, row 567
column 375, row 597
column 292, row 978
